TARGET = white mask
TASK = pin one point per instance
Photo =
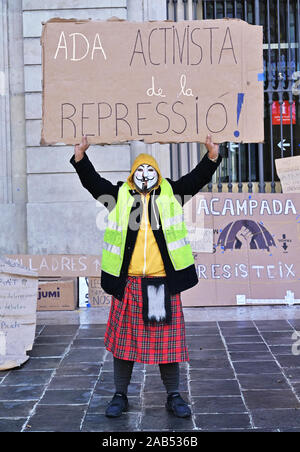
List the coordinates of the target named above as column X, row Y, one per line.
column 145, row 178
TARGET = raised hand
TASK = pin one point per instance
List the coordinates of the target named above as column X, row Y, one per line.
column 213, row 149
column 80, row 149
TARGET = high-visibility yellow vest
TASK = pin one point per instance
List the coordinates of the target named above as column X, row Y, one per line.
column 173, row 226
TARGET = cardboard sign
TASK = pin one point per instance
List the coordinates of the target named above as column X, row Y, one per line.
column 62, row 265
column 18, row 299
column 117, row 81
column 288, row 170
column 92, row 295
column 97, row 296
column 199, row 237
column 256, row 257
column 83, row 295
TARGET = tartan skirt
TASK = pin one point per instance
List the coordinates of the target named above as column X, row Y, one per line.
column 128, row 338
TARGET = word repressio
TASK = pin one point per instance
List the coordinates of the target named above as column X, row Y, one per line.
column 138, row 120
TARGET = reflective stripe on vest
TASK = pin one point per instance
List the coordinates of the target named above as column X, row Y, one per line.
column 174, row 220
column 113, row 225
column 177, row 244
column 115, row 234
column 173, row 226
column 112, row 248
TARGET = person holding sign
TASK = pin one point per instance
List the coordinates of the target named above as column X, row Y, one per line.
column 146, row 263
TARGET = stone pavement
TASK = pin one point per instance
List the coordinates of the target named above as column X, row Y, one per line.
column 242, row 376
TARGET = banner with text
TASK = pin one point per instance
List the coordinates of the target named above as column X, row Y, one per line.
column 256, row 250
column 18, row 301
column 117, row 81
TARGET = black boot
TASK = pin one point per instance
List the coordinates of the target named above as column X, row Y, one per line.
column 117, row 405
column 176, row 405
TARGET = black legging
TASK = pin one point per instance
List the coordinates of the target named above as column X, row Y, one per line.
column 123, row 369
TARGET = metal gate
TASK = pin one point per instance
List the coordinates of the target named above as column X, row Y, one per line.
column 251, row 167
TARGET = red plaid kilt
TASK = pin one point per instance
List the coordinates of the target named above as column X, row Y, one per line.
column 128, row 338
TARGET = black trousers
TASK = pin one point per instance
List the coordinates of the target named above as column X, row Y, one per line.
column 123, row 369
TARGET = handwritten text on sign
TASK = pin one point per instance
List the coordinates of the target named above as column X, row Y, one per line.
column 116, row 81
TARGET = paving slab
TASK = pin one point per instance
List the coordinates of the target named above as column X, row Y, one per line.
column 242, row 376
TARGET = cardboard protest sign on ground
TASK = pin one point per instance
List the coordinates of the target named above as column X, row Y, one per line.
column 97, row 296
column 18, row 300
column 288, row 170
column 62, row 265
column 92, row 295
column 116, row 81
column 200, row 230
column 256, row 258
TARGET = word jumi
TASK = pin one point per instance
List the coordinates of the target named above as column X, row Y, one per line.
column 48, row 294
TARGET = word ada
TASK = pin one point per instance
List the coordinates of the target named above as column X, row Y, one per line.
column 62, row 46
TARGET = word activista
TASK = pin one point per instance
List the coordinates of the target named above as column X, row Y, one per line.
column 237, row 207
column 191, row 47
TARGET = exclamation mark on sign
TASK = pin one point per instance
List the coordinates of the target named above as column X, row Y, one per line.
column 238, row 111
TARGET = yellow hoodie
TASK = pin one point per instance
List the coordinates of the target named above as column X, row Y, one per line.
column 146, row 258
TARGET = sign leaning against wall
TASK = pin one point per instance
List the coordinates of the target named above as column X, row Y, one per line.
column 256, row 255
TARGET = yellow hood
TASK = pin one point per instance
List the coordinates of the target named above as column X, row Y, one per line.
column 144, row 159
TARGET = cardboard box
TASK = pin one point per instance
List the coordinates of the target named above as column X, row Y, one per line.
column 57, row 295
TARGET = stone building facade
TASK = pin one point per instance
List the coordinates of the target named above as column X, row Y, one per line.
column 43, row 208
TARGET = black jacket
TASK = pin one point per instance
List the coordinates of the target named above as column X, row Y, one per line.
column 187, row 185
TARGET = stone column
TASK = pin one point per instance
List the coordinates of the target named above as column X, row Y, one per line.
column 17, row 103
column 13, row 193
column 5, row 149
